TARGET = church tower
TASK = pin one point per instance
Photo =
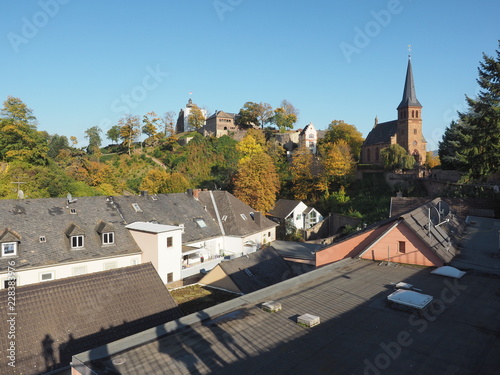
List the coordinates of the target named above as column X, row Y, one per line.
column 409, row 123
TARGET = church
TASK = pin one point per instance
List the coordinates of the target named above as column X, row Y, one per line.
column 406, row 131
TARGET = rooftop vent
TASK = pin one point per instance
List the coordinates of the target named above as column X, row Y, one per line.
column 271, row 306
column 308, row 320
column 72, row 211
column 42, row 239
column 224, row 218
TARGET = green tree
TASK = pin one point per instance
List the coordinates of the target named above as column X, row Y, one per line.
column 113, row 134
column 396, row 157
column 129, row 130
column 254, row 114
column 338, row 130
column 19, row 138
column 472, row 144
column 196, row 118
column 150, row 127
column 93, row 134
column 285, row 116
column 56, row 144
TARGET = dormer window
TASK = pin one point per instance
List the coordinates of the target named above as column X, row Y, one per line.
column 9, row 249
column 77, row 242
column 108, row 238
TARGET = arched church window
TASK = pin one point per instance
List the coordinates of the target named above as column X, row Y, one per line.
column 415, row 131
column 416, row 113
column 368, row 154
column 376, row 154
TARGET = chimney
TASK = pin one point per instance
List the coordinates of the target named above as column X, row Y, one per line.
column 258, row 218
column 196, row 193
column 144, row 193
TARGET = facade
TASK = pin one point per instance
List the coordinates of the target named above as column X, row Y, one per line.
column 182, row 121
column 296, row 213
column 406, row 131
column 219, row 124
column 308, row 137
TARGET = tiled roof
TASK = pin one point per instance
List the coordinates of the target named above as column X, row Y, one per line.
column 60, row 318
column 382, row 133
column 358, row 332
column 257, row 270
column 53, row 219
column 170, row 209
column 237, row 218
column 296, row 250
column 284, row 207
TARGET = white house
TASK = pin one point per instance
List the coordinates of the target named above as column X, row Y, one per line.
column 296, row 213
column 309, row 138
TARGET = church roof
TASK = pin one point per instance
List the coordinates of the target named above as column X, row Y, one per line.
column 381, row 133
column 409, row 95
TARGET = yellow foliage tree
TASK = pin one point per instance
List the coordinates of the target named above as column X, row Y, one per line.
column 249, row 147
column 154, row 181
column 301, row 171
column 337, row 164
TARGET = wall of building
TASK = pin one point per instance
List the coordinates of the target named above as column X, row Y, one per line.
column 170, row 258
column 218, row 278
column 31, row 276
column 416, row 250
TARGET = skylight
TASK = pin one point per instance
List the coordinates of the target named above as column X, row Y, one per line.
column 243, row 216
column 136, row 207
column 248, row 272
column 201, row 223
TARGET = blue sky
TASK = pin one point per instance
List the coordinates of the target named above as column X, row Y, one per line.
column 81, row 63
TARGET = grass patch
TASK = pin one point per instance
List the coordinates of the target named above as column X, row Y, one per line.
column 196, row 297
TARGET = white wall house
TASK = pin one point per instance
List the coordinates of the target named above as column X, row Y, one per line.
column 162, row 246
column 309, row 137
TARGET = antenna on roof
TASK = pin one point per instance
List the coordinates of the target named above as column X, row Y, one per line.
column 20, row 193
column 437, row 214
column 70, row 198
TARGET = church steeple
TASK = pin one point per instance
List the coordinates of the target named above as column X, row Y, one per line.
column 409, row 95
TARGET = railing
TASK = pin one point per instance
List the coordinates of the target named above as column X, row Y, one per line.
column 197, row 267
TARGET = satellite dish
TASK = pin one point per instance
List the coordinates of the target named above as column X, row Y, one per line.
column 434, row 216
column 443, row 208
column 20, row 194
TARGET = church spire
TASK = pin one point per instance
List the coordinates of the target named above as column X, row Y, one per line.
column 409, row 95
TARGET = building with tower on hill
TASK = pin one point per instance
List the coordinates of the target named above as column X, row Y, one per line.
column 406, row 131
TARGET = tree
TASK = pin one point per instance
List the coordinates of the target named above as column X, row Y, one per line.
column 196, row 118
column 285, row 116
column 113, row 134
column 150, row 127
column 337, row 165
column 94, row 137
column 431, row 160
column 56, row 144
column 154, row 181
column 129, row 130
column 338, row 130
column 74, row 140
column 249, row 148
column 168, row 123
column 254, row 114
column 257, row 182
column 19, row 138
column 301, row 171
column 396, row 157
column 471, row 145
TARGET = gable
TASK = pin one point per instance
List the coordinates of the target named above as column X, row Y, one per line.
column 9, row 235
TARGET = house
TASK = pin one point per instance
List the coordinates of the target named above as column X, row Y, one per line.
column 425, row 236
column 54, row 320
column 296, row 213
column 52, row 238
column 249, row 273
column 406, row 131
column 308, row 137
column 219, row 124
column 357, row 333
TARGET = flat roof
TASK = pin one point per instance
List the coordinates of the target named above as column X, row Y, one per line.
column 143, row 226
column 460, row 334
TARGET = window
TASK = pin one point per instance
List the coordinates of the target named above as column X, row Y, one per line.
column 170, row 277
column 414, row 131
column 108, row 238
column 136, row 207
column 46, row 276
column 110, row 266
column 368, row 154
column 311, row 136
column 243, row 216
column 170, row 241
column 269, row 234
column 299, row 216
column 402, row 247
column 76, row 242
column 9, row 283
column 9, row 249
column 80, row 270
column 376, row 154
column 224, row 218
column 134, row 262
column 201, row 223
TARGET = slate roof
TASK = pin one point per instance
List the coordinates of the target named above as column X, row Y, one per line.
column 409, row 96
column 52, row 218
column 230, row 210
column 381, row 133
column 238, row 337
column 263, row 268
column 57, row 319
column 222, row 114
column 284, row 207
column 296, row 250
column 170, row 209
